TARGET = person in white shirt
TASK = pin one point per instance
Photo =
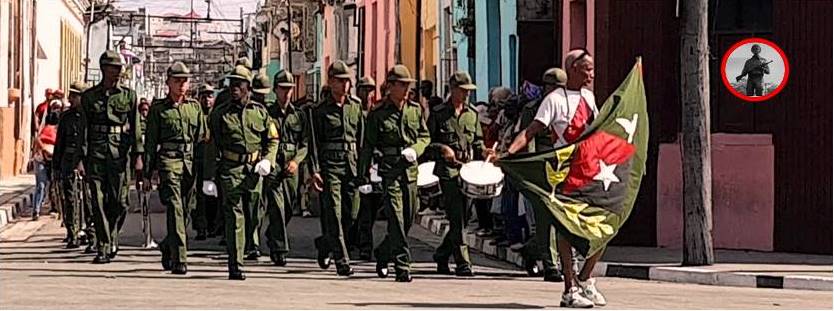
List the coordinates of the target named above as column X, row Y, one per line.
column 567, row 113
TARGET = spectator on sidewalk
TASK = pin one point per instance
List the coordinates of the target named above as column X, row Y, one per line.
column 44, row 146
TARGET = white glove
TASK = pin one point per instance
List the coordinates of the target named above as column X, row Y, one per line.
column 365, row 189
column 410, row 155
column 263, row 168
column 209, row 188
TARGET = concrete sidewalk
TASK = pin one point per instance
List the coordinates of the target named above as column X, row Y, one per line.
column 732, row 268
column 15, row 197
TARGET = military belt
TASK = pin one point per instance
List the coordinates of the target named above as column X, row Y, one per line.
column 391, row 151
column 109, row 129
column 339, row 146
column 240, row 157
column 287, row 147
column 169, row 146
column 70, row 150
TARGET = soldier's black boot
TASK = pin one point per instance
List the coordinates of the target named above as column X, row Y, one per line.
column 553, row 275
column 382, row 269
column 443, row 266
column 167, row 264
column 236, row 273
column 278, row 258
column 201, row 235
column 101, row 258
column 322, row 255
column 72, row 243
column 403, row 276
column 179, row 268
column 344, row 270
column 89, row 249
column 253, row 254
column 464, row 270
column 113, row 252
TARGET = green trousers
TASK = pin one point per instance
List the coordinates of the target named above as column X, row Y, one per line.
column 108, row 183
column 545, row 240
column 239, row 187
column 340, row 206
column 401, row 204
column 176, row 192
column 453, row 244
column 71, row 205
column 281, row 195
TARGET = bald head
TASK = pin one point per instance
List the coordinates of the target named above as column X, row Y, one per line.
column 579, row 65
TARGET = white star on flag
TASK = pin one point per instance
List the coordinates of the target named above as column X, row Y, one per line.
column 629, row 126
column 606, row 174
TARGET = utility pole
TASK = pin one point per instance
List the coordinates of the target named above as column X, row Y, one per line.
column 89, row 29
column 697, row 168
column 289, row 36
column 418, row 49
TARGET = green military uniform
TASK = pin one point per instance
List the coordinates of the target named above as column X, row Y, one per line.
column 173, row 129
column 543, row 246
column 281, row 188
column 109, row 121
column 243, row 134
column 462, row 133
column 361, row 235
column 390, row 130
column 67, row 155
column 337, row 135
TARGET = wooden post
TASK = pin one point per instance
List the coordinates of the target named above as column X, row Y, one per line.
column 697, row 168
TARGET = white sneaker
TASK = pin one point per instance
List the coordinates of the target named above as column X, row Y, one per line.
column 574, row 299
column 589, row 290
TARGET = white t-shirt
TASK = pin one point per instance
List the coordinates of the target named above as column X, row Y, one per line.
column 558, row 108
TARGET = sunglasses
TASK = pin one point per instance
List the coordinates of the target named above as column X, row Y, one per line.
column 581, row 57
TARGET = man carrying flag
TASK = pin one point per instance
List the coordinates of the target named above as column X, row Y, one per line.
column 590, row 181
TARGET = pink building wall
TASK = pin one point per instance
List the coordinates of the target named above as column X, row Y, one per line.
column 379, row 31
column 742, row 193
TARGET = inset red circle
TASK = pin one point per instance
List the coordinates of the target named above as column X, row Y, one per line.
column 744, row 97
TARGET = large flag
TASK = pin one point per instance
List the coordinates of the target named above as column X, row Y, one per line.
column 590, row 186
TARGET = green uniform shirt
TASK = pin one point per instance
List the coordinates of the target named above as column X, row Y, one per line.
column 68, row 145
column 293, row 131
column 109, row 122
column 389, row 131
column 242, row 129
column 337, row 135
column 460, row 132
column 172, row 131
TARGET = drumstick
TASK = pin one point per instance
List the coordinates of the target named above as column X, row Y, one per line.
column 495, row 144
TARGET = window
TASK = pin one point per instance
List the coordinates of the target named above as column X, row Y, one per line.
column 741, row 16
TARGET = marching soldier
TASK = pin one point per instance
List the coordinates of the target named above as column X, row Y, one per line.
column 206, row 214
column 245, row 138
column 361, row 234
column 175, row 124
column 66, row 159
column 110, row 118
column 282, row 184
column 254, row 216
column 456, row 136
column 396, row 129
column 337, row 135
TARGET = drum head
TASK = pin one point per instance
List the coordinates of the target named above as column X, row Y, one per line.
column 425, row 174
column 481, row 173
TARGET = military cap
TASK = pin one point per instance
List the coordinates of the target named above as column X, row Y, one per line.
column 77, row 87
column 366, row 82
column 339, row 69
column 284, row 79
column 245, row 62
column 110, row 57
column 205, row 88
column 555, row 76
column 179, row 70
column 462, row 80
column 400, row 73
column 260, row 84
column 240, row 72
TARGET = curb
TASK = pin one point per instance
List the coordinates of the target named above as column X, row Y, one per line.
column 14, row 208
column 665, row 273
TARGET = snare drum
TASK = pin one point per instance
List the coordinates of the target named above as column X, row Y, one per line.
column 428, row 184
column 481, row 180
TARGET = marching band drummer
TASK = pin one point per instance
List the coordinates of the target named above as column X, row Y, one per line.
column 396, row 128
column 455, row 135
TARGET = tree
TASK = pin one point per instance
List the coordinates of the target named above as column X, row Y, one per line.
column 697, row 167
